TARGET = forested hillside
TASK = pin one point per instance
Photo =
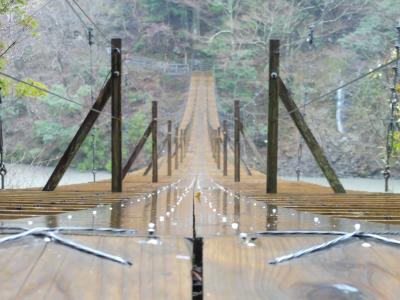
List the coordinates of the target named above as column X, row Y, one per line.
column 349, row 38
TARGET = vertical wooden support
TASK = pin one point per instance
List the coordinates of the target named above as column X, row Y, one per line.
column 217, row 140
column 176, row 148
column 214, row 144
column 184, row 142
column 237, row 141
column 154, row 141
column 169, row 148
column 116, row 126
column 181, row 142
column 225, row 148
column 272, row 151
column 309, row 138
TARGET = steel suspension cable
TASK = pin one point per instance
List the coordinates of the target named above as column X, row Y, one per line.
column 90, row 20
column 21, row 31
column 319, row 98
column 57, row 95
column 77, row 14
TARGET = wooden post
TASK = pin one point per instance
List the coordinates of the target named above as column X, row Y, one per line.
column 176, row 148
column 225, row 148
column 214, row 144
column 273, row 111
column 309, row 138
column 181, row 142
column 116, row 123
column 184, row 142
column 137, row 150
column 79, row 138
column 237, row 141
column 169, row 148
column 154, row 142
column 217, row 140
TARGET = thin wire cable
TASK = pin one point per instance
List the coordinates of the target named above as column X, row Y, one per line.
column 77, row 14
column 57, row 95
column 344, row 85
column 90, row 20
column 32, row 15
column 21, row 31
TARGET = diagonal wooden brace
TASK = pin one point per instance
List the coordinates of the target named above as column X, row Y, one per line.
column 137, row 150
column 79, row 138
column 309, row 138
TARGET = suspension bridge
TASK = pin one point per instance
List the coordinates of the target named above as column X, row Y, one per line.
column 192, row 216
column 198, row 221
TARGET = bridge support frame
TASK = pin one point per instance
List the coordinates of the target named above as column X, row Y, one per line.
column 273, row 115
column 137, row 150
column 309, row 138
column 237, row 141
column 154, row 142
column 116, row 122
column 278, row 89
column 225, row 147
column 218, row 143
column 79, row 138
column 169, row 148
column 176, row 148
column 181, row 144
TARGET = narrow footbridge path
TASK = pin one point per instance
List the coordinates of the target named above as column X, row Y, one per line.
column 199, row 232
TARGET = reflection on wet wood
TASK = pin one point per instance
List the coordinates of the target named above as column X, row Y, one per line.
column 382, row 208
column 34, row 269
column 233, row 270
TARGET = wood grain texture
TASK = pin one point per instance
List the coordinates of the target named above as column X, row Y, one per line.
column 350, row 271
column 273, row 117
column 34, row 269
column 116, row 112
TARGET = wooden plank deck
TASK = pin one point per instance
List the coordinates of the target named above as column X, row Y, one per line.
column 197, row 201
column 34, row 269
column 349, row 271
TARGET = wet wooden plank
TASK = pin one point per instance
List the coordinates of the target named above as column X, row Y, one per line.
column 39, row 270
column 232, row 270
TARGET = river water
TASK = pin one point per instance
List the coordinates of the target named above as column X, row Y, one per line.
column 356, row 184
column 26, row 176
